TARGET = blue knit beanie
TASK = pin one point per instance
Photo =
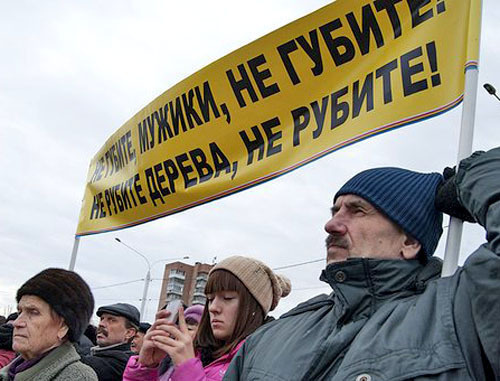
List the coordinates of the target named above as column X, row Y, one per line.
column 406, row 197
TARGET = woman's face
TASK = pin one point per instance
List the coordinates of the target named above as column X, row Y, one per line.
column 223, row 309
column 192, row 329
column 37, row 328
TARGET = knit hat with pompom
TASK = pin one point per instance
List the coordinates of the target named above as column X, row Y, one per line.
column 264, row 285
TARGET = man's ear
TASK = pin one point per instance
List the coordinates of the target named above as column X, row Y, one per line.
column 130, row 333
column 410, row 247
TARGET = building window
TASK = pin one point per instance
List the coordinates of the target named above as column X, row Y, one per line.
column 171, row 296
column 200, row 284
column 199, row 299
column 175, row 285
column 202, row 276
column 201, row 281
column 177, row 272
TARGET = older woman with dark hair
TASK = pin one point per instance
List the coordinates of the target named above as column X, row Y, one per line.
column 54, row 308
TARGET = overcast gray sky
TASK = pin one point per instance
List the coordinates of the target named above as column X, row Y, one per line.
column 73, row 72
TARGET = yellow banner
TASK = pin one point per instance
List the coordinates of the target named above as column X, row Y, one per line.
column 350, row 70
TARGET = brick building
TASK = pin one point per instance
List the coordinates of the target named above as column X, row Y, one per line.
column 183, row 281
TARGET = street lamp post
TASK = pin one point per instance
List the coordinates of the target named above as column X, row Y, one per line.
column 147, row 278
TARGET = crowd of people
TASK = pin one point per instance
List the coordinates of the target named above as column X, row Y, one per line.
column 50, row 336
column 390, row 316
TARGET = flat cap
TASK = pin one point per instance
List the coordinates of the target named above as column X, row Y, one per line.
column 121, row 309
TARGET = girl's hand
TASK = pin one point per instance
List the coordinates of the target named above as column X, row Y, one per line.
column 177, row 342
column 150, row 355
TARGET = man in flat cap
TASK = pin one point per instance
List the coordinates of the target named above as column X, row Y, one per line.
column 117, row 327
column 390, row 315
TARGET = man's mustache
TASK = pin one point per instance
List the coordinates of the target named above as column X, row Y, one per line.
column 336, row 240
column 102, row 330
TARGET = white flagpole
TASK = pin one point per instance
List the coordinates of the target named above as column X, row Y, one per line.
column 452, row 250
column 74, row 253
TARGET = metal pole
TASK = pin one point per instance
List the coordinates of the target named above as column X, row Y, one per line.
column 147, row 280
column 452, row 250
column 72, row 261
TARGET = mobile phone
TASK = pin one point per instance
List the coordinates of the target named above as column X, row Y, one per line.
column 173, row 308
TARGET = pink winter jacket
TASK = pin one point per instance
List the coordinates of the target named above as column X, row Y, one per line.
column 191, row 370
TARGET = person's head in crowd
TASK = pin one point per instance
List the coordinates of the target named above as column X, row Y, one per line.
column 54, row 307
column 10, row 319
column 118, row 324
column 193, row 315
column 3, row 319
column 6, row 330
column 385, row 213
column 240, row 293
column 136, row 344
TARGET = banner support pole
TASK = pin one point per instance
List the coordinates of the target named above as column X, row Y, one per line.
column 72, row 262
column 455, row 227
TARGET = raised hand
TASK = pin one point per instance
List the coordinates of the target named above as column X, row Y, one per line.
column 176, row 341
column 150, row 355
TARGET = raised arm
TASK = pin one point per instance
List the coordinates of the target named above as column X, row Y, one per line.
column 476, row 306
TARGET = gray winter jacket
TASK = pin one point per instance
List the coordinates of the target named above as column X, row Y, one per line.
column 395, row 320
column 62, row 364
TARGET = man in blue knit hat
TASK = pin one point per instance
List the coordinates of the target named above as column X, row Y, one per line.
column 390, row 315
column 385, row 213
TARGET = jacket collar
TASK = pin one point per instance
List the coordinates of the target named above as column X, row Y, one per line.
column 49, row 366
column 361, row 284
column 118, row 347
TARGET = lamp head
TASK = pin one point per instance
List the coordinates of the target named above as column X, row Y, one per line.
column 490, row 89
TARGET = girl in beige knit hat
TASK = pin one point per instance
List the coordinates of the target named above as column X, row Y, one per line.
column 240, row 292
